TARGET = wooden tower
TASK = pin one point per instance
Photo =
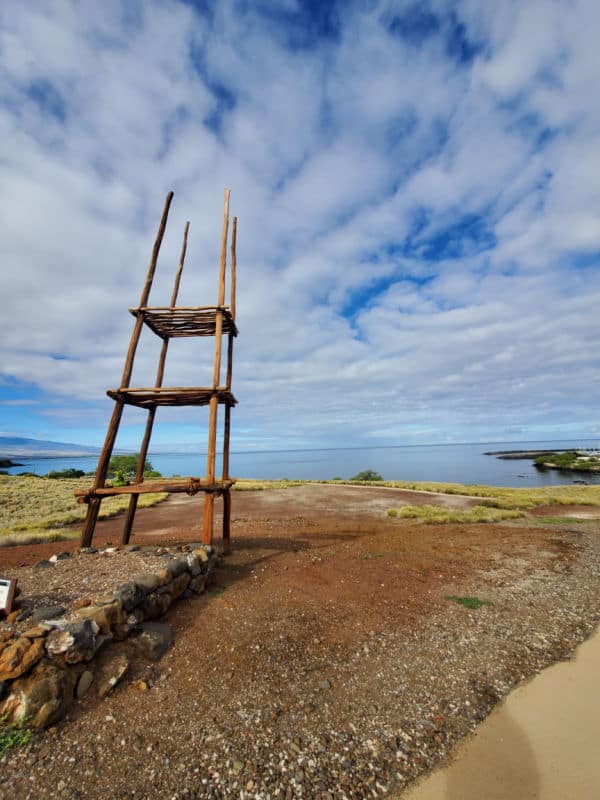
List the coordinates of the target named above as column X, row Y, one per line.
column 168, row 322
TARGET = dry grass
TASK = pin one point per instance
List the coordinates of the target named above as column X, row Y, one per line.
column 502, row 497
column 246, row 485
column 35, row 509
column 442, row 515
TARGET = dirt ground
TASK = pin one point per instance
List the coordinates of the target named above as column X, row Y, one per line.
column 328, row 661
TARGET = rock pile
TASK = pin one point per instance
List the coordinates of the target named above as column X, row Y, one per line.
column 51, row 657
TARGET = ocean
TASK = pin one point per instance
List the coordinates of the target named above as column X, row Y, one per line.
column 452, row 463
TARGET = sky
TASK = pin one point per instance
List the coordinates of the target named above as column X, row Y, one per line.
column 418, row 192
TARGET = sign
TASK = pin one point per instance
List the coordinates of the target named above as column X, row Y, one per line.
column 7, row 594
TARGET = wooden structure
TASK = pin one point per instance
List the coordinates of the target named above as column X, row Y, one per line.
column 169, row 322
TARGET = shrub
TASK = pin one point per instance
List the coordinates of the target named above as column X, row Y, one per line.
column 473, row 603
column 126, row 466
column 367, row 475
column 66, row 473
column 12, row 734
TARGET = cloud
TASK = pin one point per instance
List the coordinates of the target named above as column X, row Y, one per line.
column 417, row 193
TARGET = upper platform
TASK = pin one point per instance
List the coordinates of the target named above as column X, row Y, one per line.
column 148, row 397
column 169, row 322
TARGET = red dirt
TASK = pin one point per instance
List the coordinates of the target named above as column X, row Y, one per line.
column 178, row 519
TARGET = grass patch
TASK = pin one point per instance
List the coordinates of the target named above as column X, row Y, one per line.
column 368, row 556
column 12, row 734
column 39, row 507
column 39, row 537
column 245, row 485
column 441, row 515
column 215, row 591
column 472, row 603
column 505, row 497
column 559, row 520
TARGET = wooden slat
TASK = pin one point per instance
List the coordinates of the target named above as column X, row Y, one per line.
column 169, row 322
column 166, row 396
column 189, row 485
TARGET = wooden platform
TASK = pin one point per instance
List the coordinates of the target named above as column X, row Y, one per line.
column 172, row 396
column 168, row 322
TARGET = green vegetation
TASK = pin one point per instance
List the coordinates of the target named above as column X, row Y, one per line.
column 37, row 508
column 245, row 485
column 570, row 460
column 65, row 473
column 472, row 603
column 367, row 475
column 441, row 514
column 123, row 468
column 504, row 497
column 369, row 556
column 12, row 734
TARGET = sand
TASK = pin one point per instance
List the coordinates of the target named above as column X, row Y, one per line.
column 542, row 742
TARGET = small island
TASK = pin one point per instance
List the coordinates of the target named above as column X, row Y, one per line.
column 570, row 461
column 520, row 455
column 7, row 462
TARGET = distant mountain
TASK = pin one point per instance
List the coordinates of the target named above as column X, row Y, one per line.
column 16, row 446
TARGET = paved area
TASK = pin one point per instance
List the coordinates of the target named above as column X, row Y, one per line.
column 541, row 743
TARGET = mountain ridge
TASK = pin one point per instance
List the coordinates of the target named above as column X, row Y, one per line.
column 20, row 446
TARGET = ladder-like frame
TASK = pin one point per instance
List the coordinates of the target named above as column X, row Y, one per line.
column 168, row 322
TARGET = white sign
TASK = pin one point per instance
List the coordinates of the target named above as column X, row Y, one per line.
column 7, row 592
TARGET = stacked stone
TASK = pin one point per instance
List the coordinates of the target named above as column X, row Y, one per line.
column 45, row 667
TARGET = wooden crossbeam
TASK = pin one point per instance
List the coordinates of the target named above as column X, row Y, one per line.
column 189, row 486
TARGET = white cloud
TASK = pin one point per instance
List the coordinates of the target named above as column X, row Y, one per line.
column 418, row 238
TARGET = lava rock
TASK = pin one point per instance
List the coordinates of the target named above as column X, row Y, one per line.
column 154, row 639
column 19, row 656
column 75, row 641
column 43, row 697
column 109, row 670
column 130, row 595
column 147, row 581
column 84, row 683
column 47, row 612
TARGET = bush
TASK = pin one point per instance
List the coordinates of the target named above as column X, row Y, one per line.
column 367, row 475
column 66, row 473
column 122, row 468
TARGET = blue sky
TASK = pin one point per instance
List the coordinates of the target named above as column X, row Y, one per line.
column 418, row 193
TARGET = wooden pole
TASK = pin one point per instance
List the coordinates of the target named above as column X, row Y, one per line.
column 233, row 267
column 87, row 533
column 207, row 535
column 139, row 473
column 226, row 522
column 226, row 435
column 227, row 425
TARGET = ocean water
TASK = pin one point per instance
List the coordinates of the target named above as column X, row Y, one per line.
column 452, row 463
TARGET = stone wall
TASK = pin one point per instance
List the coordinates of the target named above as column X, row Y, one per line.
column 47, row 664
